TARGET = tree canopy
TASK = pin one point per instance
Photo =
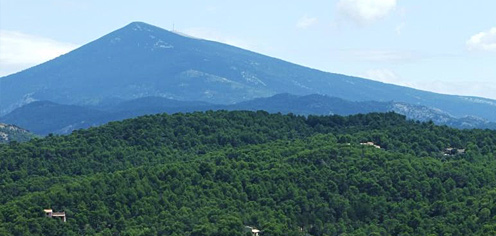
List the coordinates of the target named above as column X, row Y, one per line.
column 213, row 173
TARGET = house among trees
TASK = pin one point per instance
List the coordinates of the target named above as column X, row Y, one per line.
column 453, row 151
column 254, row 231
column 50, row 214
column 371, row 144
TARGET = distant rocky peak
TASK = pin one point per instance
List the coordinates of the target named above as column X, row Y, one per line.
column 13, row 133
column 140, row 26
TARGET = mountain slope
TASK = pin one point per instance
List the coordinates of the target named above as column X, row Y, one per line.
column 46, row 117
column 10, row 133
column 323, row 105
column 141, row 60
column 310, row 105
column 422, row 113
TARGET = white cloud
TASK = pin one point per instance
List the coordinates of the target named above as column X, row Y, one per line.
column 483, row 41
column 20, row 51
column 399, row 28
column 210, row 34
column 465, row 88
column 212, row 9
column 483, row 89
column 306, row 22
column 385, row 56
column 365, row 12
column 385, row 76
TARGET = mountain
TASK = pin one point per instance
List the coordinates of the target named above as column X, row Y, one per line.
column 153, row 105
column 43, row 117
column 10, row 133
column 313, row 104
column 141, row 60
column 220, row 173
column 422, row 113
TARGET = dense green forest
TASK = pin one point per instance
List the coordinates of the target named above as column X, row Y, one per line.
column 213, row 173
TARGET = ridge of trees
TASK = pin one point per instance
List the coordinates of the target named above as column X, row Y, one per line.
column 212, row 173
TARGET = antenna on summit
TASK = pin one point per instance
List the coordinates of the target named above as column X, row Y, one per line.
column 173, row 27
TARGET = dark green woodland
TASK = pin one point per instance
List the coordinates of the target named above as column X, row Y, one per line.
column 214, row 173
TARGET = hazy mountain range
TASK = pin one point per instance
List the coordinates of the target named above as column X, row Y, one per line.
column 44, row 117
column 107, row 77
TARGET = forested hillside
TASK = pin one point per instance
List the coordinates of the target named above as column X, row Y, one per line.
column 213, row 173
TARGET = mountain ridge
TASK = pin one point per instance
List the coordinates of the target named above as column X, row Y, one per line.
column 44, row 117
column 140, row 60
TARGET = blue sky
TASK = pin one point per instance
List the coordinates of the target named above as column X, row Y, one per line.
column 441, row 46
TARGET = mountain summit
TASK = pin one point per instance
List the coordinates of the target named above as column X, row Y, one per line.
column 141, row 60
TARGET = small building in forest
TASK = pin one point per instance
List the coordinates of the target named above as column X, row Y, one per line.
column 254, row 231
column 371, row 144
column 50, row 214
column 453, row 151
